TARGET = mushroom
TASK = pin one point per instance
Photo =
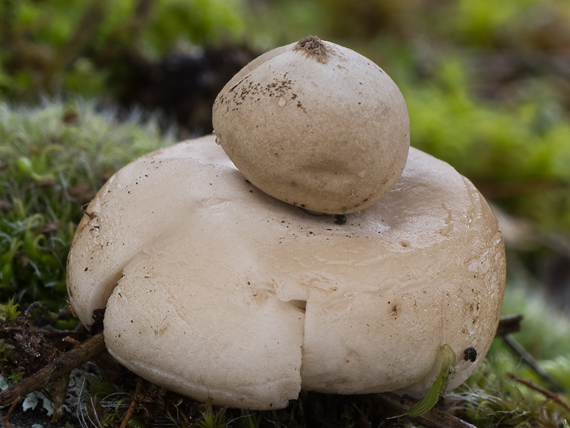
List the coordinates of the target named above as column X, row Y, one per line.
column 213, row 288
column 316, row 125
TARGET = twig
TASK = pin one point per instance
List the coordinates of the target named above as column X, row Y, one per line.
column 509, row 324
column 529, row 360
column 57, row 368
column 131, row 409
column 71, row 340
column 49, row 316
column 549, row 394
column 435, row 418
column 10, row 410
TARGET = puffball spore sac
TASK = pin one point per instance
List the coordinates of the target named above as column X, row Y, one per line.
column 316, row 125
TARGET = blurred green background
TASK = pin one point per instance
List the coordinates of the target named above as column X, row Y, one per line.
column 88, row 85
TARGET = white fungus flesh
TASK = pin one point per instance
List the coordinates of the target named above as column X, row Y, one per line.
column 214, row 289
column 316, row 125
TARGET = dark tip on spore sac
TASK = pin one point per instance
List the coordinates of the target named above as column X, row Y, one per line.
column 470, row 354
column 314, row 48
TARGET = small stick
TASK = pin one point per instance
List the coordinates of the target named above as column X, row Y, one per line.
column 54, row 370
column 71, row 340
column 548, row 394
column 131, row 409
column 10, row 410
column 529, row 360
column 509, row 324
column 435, row 418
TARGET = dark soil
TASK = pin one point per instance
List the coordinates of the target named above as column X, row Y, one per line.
column 20, row 419
column 184, row 84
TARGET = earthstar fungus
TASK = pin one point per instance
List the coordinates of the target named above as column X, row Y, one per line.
column 214, row 288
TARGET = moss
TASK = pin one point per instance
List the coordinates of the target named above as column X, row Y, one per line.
column 53, row 159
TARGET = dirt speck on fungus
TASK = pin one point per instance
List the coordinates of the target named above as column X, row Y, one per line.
column 470, row 354
column 313, row 48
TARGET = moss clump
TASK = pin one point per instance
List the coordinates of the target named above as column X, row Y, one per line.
column 53, row 159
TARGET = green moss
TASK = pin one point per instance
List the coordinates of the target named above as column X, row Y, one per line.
column 9, row 312
column 53, row 159
column 211, row 418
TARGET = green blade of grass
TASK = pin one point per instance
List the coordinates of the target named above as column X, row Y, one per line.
column 438, row 387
